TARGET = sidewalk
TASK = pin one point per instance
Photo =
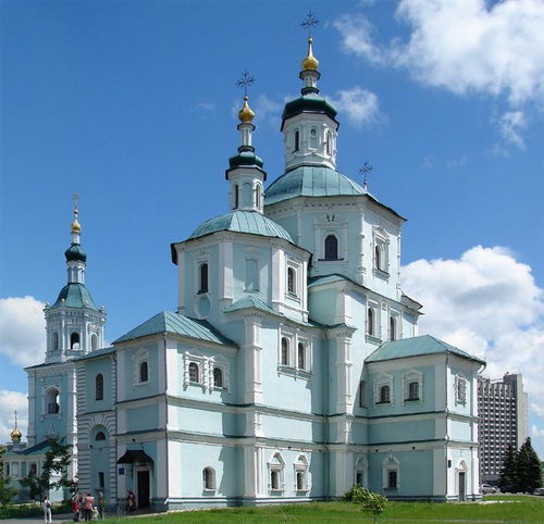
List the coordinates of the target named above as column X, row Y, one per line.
column 61, row 517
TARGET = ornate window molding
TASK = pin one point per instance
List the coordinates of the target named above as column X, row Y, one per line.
column 276, row 470
column 383, row 389
column 300, row 467
column 141, row 368
column 391, row 473
column 460, row 385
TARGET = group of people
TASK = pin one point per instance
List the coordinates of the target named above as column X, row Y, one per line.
column 84, row 508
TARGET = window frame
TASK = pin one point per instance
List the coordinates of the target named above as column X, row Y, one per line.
column 380, row 381
column 99, row 387
column 208, row 480
column 276, row 470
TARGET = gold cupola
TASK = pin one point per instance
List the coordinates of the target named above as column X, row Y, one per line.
column 310, row 62
column 246, row 114
column 16, row 434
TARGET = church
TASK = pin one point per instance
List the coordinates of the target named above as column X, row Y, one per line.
column 292, row 367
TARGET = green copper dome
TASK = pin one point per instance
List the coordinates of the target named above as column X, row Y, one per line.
column 250, row 222
column 74, row 295
column 311, row 181
column 75, row 252
column 308, row 104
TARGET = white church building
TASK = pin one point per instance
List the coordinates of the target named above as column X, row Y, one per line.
column 292, row 367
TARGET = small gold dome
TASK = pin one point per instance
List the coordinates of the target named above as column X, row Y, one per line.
column 76, row 228
column 246, row 114
column 310, row 63
column 16, row 434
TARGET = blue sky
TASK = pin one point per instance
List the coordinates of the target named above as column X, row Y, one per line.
column 132, row 104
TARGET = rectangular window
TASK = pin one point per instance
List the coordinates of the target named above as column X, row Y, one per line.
column 362, row 394
column 101, row 479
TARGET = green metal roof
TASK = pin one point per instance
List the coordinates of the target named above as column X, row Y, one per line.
column 310, row 103
column 250, row 302
column 416, row 347
column 251, row 222
column 176, row 324
column 75, row 252
column 74, row 295
column 245, row 158
column 311, row 181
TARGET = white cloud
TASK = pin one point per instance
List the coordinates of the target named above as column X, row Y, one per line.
column 487, row 303
column 464, row 46
column 511, row 124
column 9, row 402
column 361, row 107
column 22, row 330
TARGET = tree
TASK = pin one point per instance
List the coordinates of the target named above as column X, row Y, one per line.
column 7, row 491
column 57, row 459
column 508, row 476
column 521, row 470
column 372, row 503
column 529, row 476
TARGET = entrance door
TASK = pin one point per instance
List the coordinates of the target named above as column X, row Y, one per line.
column 143, row 489
column 462, row 487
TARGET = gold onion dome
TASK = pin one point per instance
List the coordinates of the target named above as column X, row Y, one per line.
column 310, row 63
column 16, row 434
column 246, row 114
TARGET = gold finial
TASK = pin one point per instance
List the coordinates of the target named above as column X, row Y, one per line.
column 246, row 114
column 310, row 62
column 16, row 434
column 76, row 228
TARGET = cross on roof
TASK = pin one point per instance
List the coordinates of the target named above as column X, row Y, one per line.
column 309, row 22
column 245, row 81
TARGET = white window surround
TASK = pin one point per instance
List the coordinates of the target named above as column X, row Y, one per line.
column 294, row 342
column 301, row 474
column 380, row 251
column 199, row 261
column 380, row 381
column 219, row 363
column 391, row 465
column 361, row 471
column 374, row 330
column 202, row 364
column 138, row 359
column 51, row 397
column 408, row 378
column 276, row 468
column 460, row 385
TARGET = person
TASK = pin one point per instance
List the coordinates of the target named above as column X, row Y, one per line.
column 131, row 500
column 101, row 504
column 88, row 503
column 75, row 508
column 46, row 505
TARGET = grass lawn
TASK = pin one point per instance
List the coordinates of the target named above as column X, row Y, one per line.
column 495, row 508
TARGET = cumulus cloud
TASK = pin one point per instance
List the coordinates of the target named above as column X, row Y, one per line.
column 468, row 45
column 361, row 107
column 487, row 303
column 9, row 402
column 22, row 330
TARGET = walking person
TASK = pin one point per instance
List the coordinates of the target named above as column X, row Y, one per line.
column 46, row 505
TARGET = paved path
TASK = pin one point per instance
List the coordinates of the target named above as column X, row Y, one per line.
column 65, row 517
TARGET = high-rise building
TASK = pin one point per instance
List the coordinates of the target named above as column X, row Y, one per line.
column 503, row 414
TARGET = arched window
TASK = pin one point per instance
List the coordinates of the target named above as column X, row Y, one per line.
column 370, row 321
column 74, row 340
column 33, row 469
column 236, row 197
column 208, row 479
column 313, row 138
column 94, row 342
column 246, row 194
column 301, row 356
column 392, row 328
column 203, row 284
column 52, row 401
column 99, row 387
column 100, row 436
column 291, row 281
column 297, row 140
column 392, row 479
column 217, row 377
column 331, row 247
column 284, row 351
column 258, row 190
column 413, row 391
column 194, row 375
column 144, row 371
column 385, row 394
column 275, row 480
